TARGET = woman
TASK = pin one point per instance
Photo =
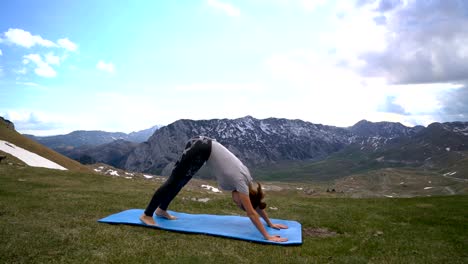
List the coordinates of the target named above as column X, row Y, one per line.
column 231, row 175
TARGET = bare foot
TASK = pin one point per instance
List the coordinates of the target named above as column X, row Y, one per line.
column 165, row 214
column 148, row 220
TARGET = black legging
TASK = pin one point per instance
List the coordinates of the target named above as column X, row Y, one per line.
column 196, row 153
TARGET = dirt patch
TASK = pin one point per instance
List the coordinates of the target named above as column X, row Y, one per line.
column 318, row 232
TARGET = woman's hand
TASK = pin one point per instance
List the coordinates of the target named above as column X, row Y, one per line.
column 278, row 226
column 277, row 239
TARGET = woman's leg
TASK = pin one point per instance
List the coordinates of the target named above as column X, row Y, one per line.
column 191, row 161
column 195, row 154
column 170, row 184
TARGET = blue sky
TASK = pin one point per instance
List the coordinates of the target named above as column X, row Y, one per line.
column 128, row 65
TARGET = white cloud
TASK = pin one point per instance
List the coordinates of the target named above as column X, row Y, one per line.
column 45, row 123
column 1, row 53
column 343, row 97
column 45, row 71
column 107, row 67
column 36, row 58
column 420, row 98
column 353, row 33
column 425, row 42
column 52, row 59
column 316, row 85
column 26, row 39
column 33, row 121
column 67, row 44
column 42, row 68
column 227, row 8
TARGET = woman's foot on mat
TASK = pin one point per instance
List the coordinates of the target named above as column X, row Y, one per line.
column 149, row 220
column 165, row 214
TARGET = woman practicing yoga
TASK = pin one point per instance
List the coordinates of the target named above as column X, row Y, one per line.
column 231, row 175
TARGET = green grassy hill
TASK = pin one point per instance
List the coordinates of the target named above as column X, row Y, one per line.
column 338, row 165
column 353, row 160
column 10, row 135
column 400, row 182
column 50, row 216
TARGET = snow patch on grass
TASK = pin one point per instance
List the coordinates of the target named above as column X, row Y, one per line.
column 30, row 158
column 210, row 188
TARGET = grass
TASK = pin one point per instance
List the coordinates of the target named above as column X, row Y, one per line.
column 400, row 182
column 49, row 216
column 349, row 161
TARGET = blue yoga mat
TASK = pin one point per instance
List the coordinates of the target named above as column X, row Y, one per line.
column 237, row 227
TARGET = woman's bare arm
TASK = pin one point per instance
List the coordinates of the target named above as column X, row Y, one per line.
column 265, row 217
column 245, row 200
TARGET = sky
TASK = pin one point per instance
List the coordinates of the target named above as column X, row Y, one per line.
column 129, row 65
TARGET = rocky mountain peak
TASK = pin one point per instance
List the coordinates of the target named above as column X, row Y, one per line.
column 7, row 123
column 388, row 130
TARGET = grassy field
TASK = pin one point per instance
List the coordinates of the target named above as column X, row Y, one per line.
column 49, row 216
column 343, row 163
column 352, row 160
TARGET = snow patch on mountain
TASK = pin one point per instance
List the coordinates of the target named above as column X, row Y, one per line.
column 30, row 158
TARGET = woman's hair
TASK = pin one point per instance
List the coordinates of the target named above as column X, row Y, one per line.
column 256, row 196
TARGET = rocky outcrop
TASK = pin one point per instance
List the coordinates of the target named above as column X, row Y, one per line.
column 6, row 123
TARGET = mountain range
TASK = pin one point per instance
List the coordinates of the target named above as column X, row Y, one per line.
column 276, row 148
column 91, row 138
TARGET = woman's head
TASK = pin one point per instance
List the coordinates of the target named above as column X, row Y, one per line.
column 256, row 196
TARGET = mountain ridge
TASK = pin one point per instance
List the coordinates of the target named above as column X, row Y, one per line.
column 81, row 138
column 316, row 151
column 254, row 141
column 266, row 142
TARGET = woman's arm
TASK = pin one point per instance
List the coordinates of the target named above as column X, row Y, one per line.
column 264, row 215
column 245, row 200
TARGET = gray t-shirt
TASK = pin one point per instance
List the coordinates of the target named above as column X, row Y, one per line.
column 230, row 173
